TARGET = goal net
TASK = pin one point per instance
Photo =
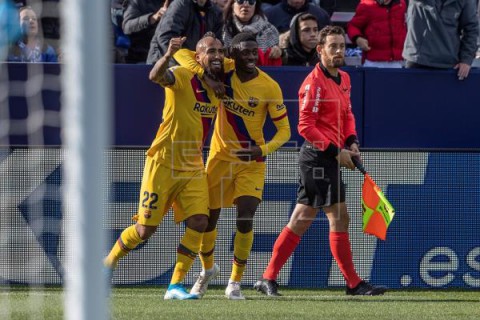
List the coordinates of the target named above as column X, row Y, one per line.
column 54, row 128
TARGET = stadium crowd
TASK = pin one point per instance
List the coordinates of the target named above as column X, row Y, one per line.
column 381, row 33
column 377, row 32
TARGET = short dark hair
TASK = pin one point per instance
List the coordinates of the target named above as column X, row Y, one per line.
column 209, row 34
column 303, row 16
column 201, row 43
column 306, row 16
column 328, row 31
column 242, row 37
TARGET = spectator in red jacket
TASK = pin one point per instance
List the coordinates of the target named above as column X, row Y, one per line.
column 379, row 29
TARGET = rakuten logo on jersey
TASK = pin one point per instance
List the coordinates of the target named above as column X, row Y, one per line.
column 231, row 105
column 205, row 109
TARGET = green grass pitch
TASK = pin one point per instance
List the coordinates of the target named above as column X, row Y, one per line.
column 147, row 303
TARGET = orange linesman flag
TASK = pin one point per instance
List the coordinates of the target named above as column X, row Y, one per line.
column 377, row 210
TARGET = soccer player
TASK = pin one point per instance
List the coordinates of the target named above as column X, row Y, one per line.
column 236, row 163
column 174, row 171
column 327, row 123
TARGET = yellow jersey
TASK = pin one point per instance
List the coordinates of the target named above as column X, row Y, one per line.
column 188, row 113
column 243, row 111
column 242, row 115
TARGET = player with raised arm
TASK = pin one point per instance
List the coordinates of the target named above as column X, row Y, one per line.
column 174, row 172
column 236, row 163
column 327, row 123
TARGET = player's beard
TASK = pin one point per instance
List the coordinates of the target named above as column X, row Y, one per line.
column 217, row 73
column 336, row 62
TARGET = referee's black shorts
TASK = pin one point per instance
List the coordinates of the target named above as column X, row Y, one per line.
column 321, row 182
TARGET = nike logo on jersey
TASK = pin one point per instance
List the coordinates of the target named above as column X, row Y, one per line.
column 199, row 90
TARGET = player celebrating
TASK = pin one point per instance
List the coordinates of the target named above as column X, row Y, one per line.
column 174, row 170
column 236, row 163
column 328, row 126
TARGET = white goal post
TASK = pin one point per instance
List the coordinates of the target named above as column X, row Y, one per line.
column 87, row 100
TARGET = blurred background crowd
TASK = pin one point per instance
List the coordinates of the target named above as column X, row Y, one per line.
column 381, row 33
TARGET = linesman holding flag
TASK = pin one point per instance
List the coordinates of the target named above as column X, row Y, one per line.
column 327, row 123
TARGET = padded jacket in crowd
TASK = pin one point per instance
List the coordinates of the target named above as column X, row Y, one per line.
column 441, row 33
column 137, row 26
column 183, row 19
column 281, row 14
column 383, row 26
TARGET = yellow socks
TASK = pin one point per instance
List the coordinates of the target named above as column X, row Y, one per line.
column 128, row 240
column 242, row 246
column 186, row 252
column 207, row 248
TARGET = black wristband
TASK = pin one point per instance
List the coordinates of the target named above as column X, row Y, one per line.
column 351, row 140
column 332, row 150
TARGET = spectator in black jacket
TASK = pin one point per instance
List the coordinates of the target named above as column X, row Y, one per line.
column 303, row 40
column 478, row 41
column 140, row 20
column 220, row 3
column 185, row 18
column 327, row 5
column 268, row 4
column 282, row 13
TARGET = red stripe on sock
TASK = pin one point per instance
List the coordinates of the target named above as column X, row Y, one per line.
column 283, row 248
column 342, row 252
column 122, row 245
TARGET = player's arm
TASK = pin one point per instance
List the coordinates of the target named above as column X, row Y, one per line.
column 159, row 72
column 186, row 58
column 279, row 115
column 281, row 136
